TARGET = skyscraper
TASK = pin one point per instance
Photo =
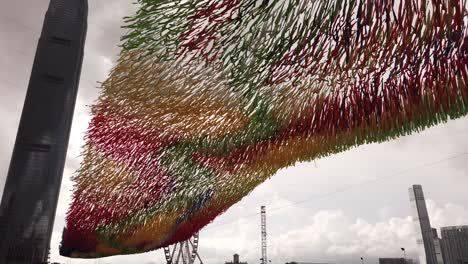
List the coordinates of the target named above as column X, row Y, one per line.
column 455, row 244
column 428, row 243
column 31, row 191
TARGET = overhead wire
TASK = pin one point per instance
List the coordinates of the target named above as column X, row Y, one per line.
column 346, row 188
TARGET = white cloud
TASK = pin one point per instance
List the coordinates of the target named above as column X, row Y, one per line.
column 328, row 235
column 448, row 215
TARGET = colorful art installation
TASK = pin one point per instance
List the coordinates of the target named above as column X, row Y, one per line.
column 210, row 98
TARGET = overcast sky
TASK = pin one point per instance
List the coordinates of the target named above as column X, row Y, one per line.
column 336, row 209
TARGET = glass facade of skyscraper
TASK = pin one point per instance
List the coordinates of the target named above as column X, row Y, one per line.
column 29, row 200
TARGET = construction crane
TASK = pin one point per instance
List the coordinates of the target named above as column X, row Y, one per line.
column 185, row 252
column 264, row 258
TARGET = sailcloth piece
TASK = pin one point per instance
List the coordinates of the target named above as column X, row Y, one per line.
column 209, row 98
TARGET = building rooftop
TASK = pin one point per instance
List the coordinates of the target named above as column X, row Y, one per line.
column 454, row 227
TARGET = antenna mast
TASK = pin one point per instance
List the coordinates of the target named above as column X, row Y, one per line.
column 264, row 258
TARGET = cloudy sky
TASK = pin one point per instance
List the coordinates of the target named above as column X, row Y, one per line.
column 335, row 209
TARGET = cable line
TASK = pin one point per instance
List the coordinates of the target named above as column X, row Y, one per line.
column 349, row 187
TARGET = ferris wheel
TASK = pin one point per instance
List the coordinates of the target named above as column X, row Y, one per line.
column 185, row 252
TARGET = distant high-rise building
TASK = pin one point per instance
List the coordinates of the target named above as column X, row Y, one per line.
column 427, row 240
column 235, row 260
column 455, row 244
column 29, row 200
column 395, row 261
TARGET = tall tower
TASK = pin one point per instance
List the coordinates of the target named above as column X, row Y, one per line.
column 427, row 239
column 29, row 201
column 264, row 258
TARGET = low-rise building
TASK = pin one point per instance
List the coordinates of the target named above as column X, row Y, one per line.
column 395, row 261
column 235, row 260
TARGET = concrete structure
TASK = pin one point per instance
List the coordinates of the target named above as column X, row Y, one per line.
column 235, row 260
column 455, row 244
column 427, row 240
column 395, row 261
column 29, row 201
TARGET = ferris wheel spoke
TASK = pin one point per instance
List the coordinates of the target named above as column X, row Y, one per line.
column 185, row 252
